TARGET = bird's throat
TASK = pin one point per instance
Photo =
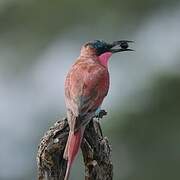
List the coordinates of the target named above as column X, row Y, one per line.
column 103, row 58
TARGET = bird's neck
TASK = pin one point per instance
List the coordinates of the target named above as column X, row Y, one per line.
column 89, row 53
column 104, row 58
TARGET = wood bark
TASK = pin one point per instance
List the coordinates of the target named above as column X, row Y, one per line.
column 95, row 149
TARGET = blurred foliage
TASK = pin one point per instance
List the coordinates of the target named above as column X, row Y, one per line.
column 151, row 136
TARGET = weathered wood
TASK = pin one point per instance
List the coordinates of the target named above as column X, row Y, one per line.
column 96, row 153
column 95, row 148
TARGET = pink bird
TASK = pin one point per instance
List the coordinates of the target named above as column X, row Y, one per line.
column 86, row 86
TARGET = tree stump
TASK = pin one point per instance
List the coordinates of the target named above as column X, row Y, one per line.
column 95, row 148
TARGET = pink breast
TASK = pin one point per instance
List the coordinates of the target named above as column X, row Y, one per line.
column 103, row 58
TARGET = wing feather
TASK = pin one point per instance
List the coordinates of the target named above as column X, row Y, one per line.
column 85, row 88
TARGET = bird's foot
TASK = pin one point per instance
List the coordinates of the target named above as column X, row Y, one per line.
column 101, row 113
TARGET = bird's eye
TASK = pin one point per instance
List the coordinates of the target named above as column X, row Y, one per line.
column 99, row 44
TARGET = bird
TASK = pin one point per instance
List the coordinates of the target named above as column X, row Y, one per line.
column 86, row 86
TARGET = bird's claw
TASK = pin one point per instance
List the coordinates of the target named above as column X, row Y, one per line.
column 101, row 114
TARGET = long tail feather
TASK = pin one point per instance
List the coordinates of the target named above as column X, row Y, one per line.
column 72, row 147
column 67, row 171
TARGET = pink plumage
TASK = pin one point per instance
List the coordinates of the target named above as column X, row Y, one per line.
column 86, row 85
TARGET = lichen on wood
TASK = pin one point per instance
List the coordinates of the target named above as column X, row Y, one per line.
column 95, row 149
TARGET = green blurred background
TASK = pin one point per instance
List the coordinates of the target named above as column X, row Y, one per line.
column 39, row 41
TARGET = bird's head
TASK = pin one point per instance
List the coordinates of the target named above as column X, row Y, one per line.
column 102, row 47
column 104, row 50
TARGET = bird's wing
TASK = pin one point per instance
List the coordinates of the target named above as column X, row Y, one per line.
column 85, row 88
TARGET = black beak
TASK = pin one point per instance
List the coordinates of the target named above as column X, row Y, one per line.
column 123, row 44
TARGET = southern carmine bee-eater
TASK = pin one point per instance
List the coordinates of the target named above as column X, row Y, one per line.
column 86, row 85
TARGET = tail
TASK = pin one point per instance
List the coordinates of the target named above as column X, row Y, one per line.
column 72, row 147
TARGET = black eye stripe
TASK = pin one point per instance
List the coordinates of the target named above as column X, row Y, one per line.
column 100, row 46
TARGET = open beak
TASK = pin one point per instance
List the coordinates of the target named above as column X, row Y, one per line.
column 119, row 46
